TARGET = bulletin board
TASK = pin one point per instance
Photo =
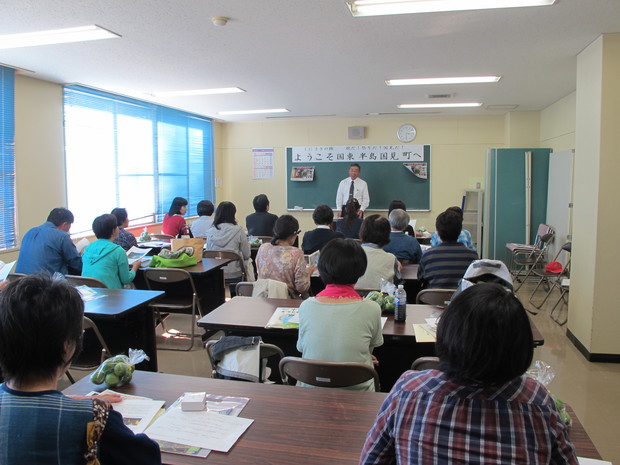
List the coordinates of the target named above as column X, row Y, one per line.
column 393, row 172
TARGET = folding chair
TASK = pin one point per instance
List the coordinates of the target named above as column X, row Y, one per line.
column 85, row 281
column 92, row 356
column 529, row 260
column 326, row 374
column 181, row 297
column 513, row 248
column 159, row 237
column 244, row 289
column 425, row 363
column 231, row 255
column 266, row 351
column 564, row 289
column 438, row 297
column 552, row 279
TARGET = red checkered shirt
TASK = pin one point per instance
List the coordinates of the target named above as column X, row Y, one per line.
column 427, row 419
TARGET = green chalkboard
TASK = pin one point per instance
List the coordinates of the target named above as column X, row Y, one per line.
column 387, row 181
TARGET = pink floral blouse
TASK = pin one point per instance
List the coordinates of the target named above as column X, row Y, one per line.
column 283, row 263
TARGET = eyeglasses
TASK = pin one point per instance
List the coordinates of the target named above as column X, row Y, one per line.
column 298, row 231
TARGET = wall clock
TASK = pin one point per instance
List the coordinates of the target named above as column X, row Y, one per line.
column 406, row 133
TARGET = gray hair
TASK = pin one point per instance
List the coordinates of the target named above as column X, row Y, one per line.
column 399, row 219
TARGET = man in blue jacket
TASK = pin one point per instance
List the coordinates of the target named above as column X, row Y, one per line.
column 49, row 247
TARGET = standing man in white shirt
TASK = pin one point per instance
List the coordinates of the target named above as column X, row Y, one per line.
column 353, row 187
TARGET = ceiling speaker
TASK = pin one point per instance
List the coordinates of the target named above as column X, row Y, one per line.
column 357, row 132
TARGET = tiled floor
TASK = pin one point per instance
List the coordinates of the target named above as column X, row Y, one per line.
column 592, row 389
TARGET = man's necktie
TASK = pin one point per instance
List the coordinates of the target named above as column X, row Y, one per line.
column 351, row 191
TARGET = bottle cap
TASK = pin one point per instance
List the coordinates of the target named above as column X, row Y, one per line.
column 400, row 286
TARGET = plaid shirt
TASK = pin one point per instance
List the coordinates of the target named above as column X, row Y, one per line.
column 125, row 239
column 427, row 419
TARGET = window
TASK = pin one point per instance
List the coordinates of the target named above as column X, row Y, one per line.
column 122, row 152
column 7, row 158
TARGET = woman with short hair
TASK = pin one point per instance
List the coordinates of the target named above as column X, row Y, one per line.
column 338, row 325
column 281, row 261
column 103, row 259
column 480, row 406
column 375, row 234
column 40, row 333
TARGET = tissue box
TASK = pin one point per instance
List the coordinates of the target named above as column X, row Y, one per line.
column 193, row 401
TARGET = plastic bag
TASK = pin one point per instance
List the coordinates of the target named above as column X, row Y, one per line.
column 544, row 374
column 118, row 370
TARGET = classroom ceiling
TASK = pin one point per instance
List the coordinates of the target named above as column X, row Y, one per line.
column 311, row 57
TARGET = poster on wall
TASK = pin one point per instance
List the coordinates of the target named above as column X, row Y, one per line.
column 418, row 169
column 262, row 163
column 302, row 173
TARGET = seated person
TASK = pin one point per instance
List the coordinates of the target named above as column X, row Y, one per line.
column 394, row 204
column 350, row 223
column 281, row 261
column 49, row 247
column 125, row 239
column 405, row 248
column 203, row 223
column 314, row 240
column 261, row 222
column 337, row 325
column 479, row 407
column 174, row 224
column 443, row 266
column 226, row 234
column 464, row 236
column 105, row 260
column 40, row 333
column 375, row 234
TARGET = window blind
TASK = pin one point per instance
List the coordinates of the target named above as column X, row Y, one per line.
column 123, row 152
column 7, row 158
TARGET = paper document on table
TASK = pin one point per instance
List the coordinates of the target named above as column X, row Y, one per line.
column 136, row 253
column 205, row 429
column 383, row 320
column 432, row 322
column 284, row 318
column 81, row 245
column 585, row 461
column 6, row 269
column 424, row 333
column 137, row 413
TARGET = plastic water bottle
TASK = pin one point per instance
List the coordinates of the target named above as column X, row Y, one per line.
column 400, row 304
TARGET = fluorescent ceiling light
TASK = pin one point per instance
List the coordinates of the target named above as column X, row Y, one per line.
column 56, row 36
column 253, row 112
column 439, row 105
column 399, row 7
column 447, row 80
column 183, row 93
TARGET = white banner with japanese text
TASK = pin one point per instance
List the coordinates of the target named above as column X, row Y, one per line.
column 358, row 153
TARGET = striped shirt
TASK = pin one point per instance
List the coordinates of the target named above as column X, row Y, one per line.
column 125, row 239
column 427, row 419
column 443, row 266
